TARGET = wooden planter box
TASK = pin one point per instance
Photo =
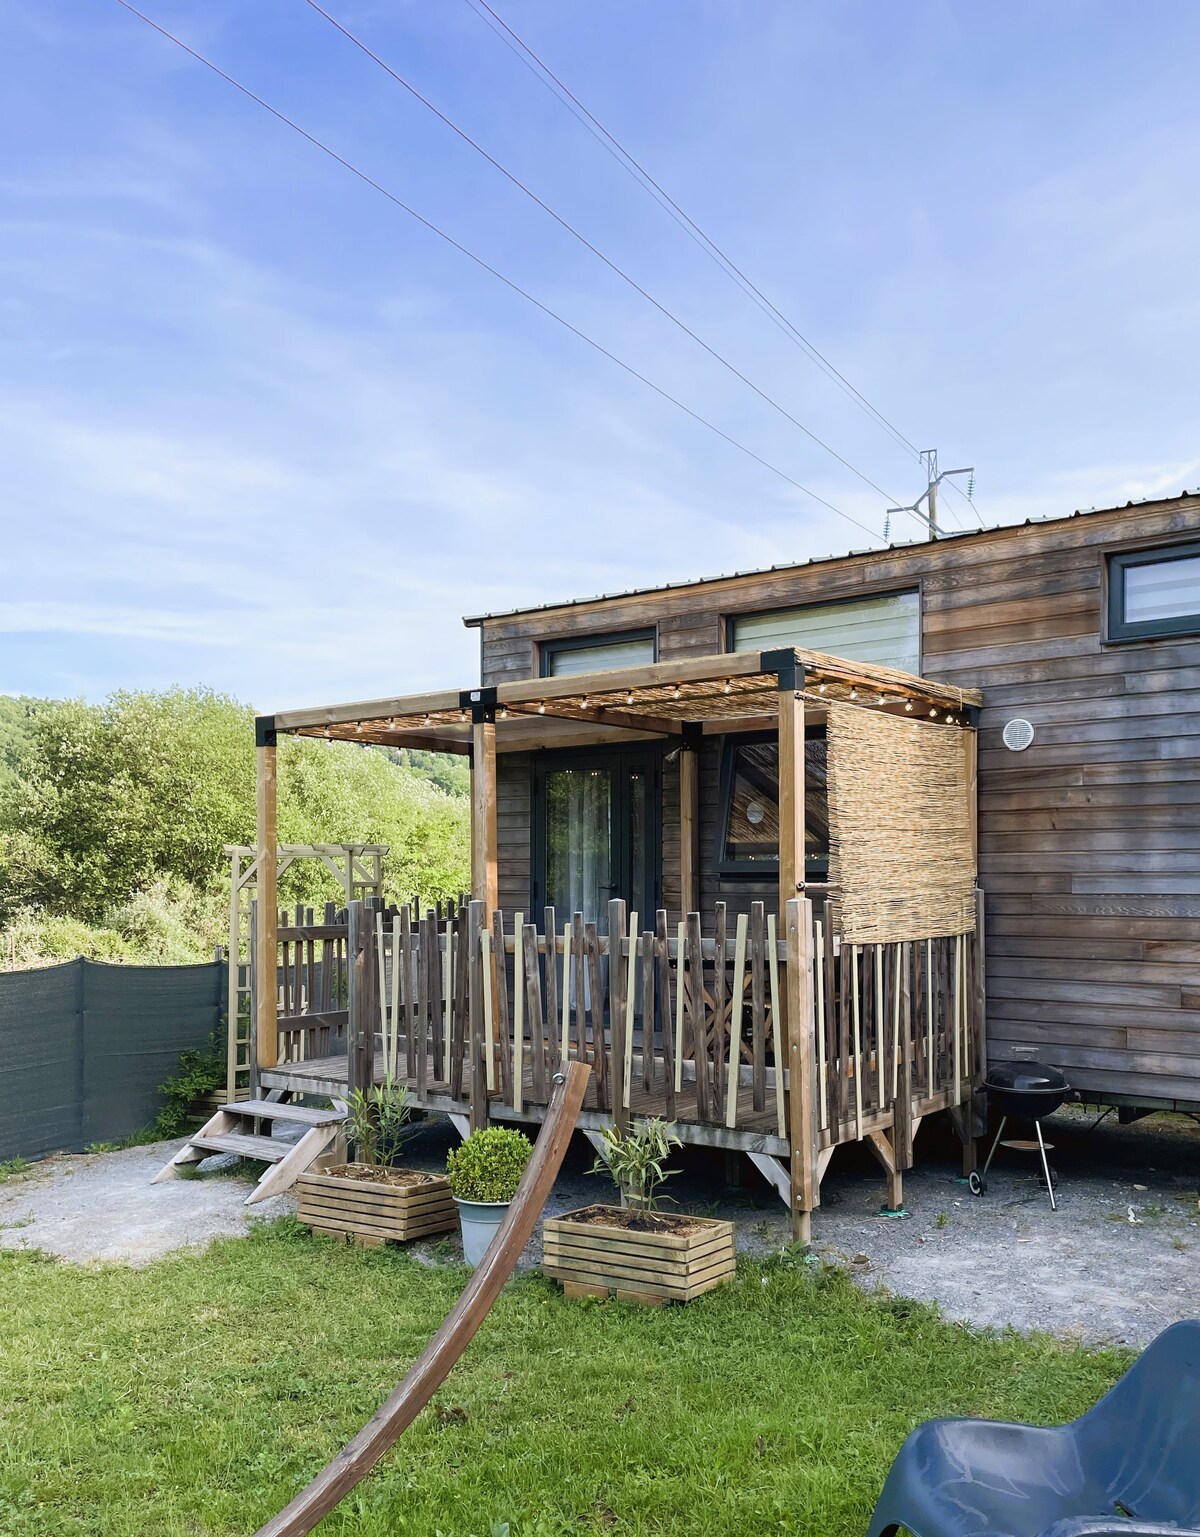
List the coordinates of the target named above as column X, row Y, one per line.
column 394, row 1205
column 654, row 1259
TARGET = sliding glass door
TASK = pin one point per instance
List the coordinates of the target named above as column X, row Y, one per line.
column 596, row 832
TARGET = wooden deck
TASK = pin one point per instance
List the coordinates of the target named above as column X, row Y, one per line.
column 756, row 1130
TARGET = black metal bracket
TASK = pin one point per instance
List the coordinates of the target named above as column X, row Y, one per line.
column 971, row 716
column 265, row 734
column 786, row 668
column 482, row 704
column 692, row 734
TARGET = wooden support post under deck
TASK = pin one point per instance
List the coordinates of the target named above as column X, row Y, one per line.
column 266, row 1001
column 802, row 1068
column 689, row 829
column 484, row 877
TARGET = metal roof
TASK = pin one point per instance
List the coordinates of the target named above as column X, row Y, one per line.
column 474, row 620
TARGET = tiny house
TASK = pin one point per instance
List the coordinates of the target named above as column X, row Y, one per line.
column 801, row 850
column 1083, row 634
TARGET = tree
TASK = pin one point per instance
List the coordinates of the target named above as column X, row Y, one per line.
column 107, row 800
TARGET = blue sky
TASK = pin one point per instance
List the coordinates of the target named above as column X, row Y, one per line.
column 259, row 430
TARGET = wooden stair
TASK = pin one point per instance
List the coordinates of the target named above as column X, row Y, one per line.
column 232, row 1130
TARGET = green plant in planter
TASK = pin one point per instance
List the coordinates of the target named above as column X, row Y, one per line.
column 635, row 1158
column 378, row 1122
column 489, row 1164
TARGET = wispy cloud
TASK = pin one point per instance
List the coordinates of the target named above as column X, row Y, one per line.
column 259, row 430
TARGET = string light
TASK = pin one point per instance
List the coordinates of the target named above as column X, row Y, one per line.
column 583, row 703
column 678, row 694
column 821, row 687
column 503, row 712
column 728, row 689
column 629, row 697
column 854, row 693
column 541, row 709
column 949, row 720
column 932, row 713
column 908, row 707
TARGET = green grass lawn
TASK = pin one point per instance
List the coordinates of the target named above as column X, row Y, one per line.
column 196, row 1396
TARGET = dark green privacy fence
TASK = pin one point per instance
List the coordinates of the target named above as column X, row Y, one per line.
column 84, row 1046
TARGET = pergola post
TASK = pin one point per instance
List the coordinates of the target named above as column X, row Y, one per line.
column 267, row 917
column 791, row 782
column 796, row 915
column 485, row 886
column 689, row 822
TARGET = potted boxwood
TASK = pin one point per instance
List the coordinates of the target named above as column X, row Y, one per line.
column 635, row 1250
column 369, row 1198
column 484, row 1173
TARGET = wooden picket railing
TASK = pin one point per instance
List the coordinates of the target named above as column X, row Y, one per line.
column 312, row 1006
column 693, row 1028
column 707, row 1030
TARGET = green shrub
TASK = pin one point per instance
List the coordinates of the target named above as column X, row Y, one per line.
column 489, row 1164
column 199, row 1073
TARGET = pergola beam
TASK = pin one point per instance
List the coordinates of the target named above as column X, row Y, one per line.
column 724, row 693
column 599, row 715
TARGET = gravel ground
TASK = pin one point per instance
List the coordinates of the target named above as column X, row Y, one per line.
column 102, row 1206
column 1116, row 1262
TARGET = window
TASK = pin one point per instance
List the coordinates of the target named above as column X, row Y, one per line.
column 885, row 628
column 1154, row 593
column 597, row 653
column 748, row 825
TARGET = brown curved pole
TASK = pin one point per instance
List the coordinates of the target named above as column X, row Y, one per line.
column 435, row 1362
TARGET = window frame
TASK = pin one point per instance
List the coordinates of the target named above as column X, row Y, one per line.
column 1117, row 563
column 914, row 589
column 558, row 645
column 816, row 868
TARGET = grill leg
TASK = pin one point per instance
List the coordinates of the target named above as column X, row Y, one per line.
column 1037, row 1126
column 995, row 1144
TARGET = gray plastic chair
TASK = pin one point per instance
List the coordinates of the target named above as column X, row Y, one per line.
column 1130, row 1467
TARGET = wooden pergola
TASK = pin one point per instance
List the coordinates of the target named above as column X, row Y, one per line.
column 684, row 700
column 681, row 703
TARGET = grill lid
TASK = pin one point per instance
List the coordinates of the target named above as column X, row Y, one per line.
column 1027, row 1078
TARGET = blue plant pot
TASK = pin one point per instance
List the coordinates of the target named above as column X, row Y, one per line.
column 479, row 1219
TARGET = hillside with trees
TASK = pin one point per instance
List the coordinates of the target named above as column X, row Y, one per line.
column 113, row 818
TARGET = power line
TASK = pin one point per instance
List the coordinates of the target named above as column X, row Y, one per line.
column 595, row 250
column 484, row 265
column 545, row 75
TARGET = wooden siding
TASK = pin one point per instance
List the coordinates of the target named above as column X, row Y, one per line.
column 514, row 831
column 1089, row 841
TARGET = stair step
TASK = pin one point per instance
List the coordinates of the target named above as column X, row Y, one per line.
column 265, row 1149
column 270, row 1110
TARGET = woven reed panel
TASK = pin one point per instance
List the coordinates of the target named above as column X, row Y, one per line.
column 900, row 862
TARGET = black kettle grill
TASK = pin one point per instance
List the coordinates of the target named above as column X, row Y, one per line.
column 1027, row 1091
